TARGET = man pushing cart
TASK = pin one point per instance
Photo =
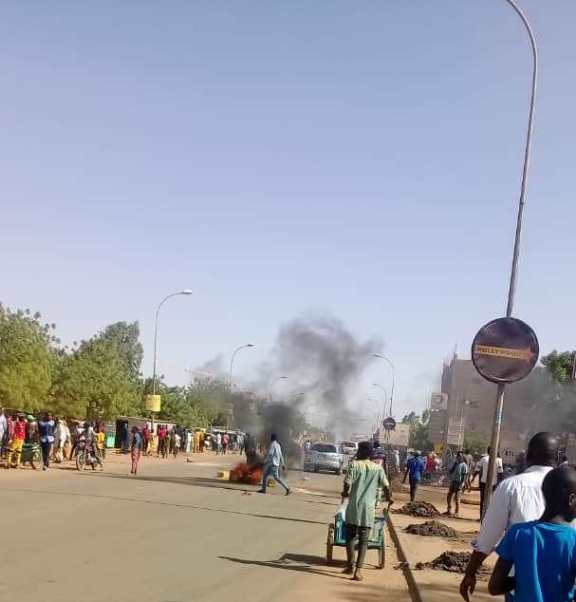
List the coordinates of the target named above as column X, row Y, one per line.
column 364, row 479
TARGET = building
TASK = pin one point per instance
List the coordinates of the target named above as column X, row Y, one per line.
column 464, row 409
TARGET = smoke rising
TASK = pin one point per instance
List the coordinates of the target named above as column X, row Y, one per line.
column 324, row 360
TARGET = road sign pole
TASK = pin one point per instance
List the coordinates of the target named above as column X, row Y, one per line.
column 516, row 252
column 494, row 445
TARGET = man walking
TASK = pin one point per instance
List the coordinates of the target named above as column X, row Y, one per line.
column 361, row 485
column 482, row 471
column 274, row 460
column 414, row 469
column 518, row 499
column 457, row 477
column 136, row 449
column 46, row 431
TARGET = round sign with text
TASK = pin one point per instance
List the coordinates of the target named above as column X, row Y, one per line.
column 389, row 423
column 505, row 350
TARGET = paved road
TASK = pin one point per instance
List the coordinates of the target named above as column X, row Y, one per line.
column 174, row 534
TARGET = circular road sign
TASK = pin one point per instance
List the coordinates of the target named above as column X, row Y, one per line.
column 505, row 350
column 389, row 423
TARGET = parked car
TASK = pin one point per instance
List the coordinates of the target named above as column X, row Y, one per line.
column 324, row 456
column 348, row 448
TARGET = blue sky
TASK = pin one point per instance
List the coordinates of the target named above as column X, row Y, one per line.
column 356, row 159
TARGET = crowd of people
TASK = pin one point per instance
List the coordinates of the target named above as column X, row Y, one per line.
column 23, row 435
column 165, row 440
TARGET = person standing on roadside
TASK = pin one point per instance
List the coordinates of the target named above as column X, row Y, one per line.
column 482, row 471
column 100, row 436
column 457, row 478
column 274, row 461
column 145, row 439
column 135, row 449
column 46, row 432
column 518, row 499
column 414, row 470
column 18, row 439
column 3, row 429
column 363, row 480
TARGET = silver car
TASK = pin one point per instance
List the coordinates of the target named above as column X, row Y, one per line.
column 324, row 456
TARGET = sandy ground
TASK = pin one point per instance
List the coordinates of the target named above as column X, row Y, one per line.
column 174, row 534
column 440, row 586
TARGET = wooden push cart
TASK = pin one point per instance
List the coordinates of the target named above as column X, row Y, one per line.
column 376, row 540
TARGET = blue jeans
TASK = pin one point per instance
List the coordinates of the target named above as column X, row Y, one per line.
column 272, row 471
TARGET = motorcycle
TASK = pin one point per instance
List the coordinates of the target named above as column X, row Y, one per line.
column 86, row 456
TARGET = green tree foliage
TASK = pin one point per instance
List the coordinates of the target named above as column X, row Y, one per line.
column 93, row 382
column 27, row 355
column 185, row 406
column 476, row 443
column 419, row 430
column 410, row 418
column 560, row 365
column 126, row 338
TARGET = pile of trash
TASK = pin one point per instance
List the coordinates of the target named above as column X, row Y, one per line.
column 432, row 528
column 453, row 562
column 423, row 509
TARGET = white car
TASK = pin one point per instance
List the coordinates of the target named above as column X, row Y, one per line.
column 348, row 448
column 324, row 456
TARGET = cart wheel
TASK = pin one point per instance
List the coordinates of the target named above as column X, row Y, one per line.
column 330, row 544
column 381, row 557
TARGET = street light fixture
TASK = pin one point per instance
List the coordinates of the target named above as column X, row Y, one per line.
column 381, row 356
column 185, row 291
column 247, row 346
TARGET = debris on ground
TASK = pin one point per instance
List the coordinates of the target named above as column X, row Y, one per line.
column 423, row 509
column 432, row 528
column 453, row 562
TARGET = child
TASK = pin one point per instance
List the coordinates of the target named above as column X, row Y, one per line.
column 542, row 552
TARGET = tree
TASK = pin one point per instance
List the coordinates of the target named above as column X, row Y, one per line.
column 93, row 382
column 27, row 355
column 420, row 435
column 476, row 443
column 126, row 338
column 411, row 418
column 560, row 365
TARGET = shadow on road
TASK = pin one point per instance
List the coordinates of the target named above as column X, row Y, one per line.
column 300, row 563
column 162, row 503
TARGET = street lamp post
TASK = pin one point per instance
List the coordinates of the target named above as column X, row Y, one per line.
column 383, row 389
column 186, row 291
column 247, row 346
column 271, row 386
column 381, row 356
column 495, row 440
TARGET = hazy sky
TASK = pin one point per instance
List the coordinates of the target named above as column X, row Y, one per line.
column 356, row 159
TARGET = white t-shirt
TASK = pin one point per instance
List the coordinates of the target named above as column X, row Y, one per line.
column 482, row 466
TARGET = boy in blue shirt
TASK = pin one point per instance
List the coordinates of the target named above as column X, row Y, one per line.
column 542, row 552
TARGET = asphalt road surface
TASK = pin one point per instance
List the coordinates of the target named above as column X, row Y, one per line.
column 175, row 533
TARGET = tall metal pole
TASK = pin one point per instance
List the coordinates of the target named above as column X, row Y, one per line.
column 232, row 361
column 495, row 441
column 389, row 361
column 184, row 292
